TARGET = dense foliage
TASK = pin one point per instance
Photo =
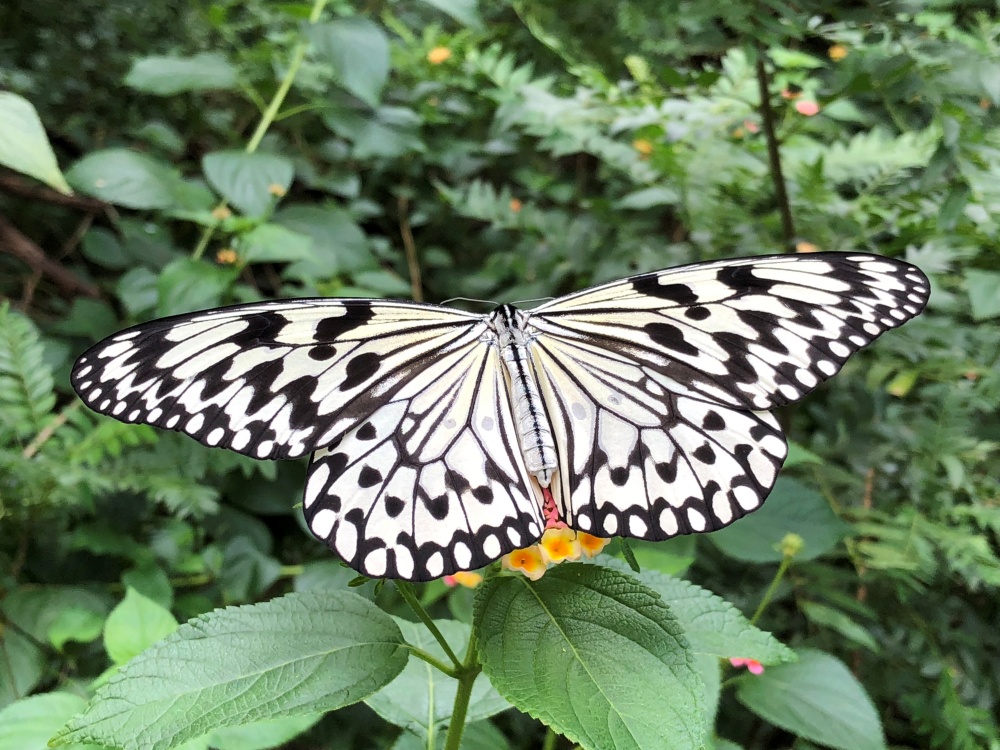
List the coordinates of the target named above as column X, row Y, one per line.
column 224, row 152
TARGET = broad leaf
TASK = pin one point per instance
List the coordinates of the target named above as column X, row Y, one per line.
column 816, row 698
column 984, row 293
column 300, row 654
column 791, row 508
column 339, row 245
column 188, row 284
column 127, row 178
column 172, row 75
column 595, row 655
column 273, row 243
column 421, row 698
column 262, row 735
column 24, row 146
column 30, row 722
column 463, row 11
column 358, row 52
column 250, row 182
column 135, row 625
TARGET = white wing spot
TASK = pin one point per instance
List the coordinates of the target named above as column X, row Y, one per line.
column 134, row 415
column 746, row 497
column 173, row 421
column 215, row 436
column 83, row 371
column 583, row 522
column 514, row 536
column 195, row 423
column 611, row 524
column 636, row 526
column 106, row 403
column 375, row 563
column 155, row 414
column 463, row 555
column 491, row 546
column 240, row 439
column 322, row 523
column 839, row 349
column 826, row 367
column 435, row 565
column 316, row 483
column 404, row 562
column 346, row 541
column 264, row 449
column 696, row 520
column 668, row 522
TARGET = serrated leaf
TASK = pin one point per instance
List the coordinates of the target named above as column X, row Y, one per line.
column 249, row 182
column 166, row 76
column 300, row 654
column 24, row 146
column 358, row 52
column 421, row 698
column 126, row 178
column 188, row 284
column 594, row 654
column 816, row 698
column 135, row 625
column 791, row 508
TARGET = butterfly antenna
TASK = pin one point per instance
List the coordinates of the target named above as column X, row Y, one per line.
column 470, row 299
column 536, row 299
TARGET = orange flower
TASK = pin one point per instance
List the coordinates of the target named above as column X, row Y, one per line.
column 806, row 247
column 464, row 578
column 837, row 52
column 276, row 190
column 221, row 212
column 515, row 205
column 528, row 561
column 227, row 256
column 438, row 55
column 807, row 108
column 559, row 545
column 643, row 146
column 591, row 545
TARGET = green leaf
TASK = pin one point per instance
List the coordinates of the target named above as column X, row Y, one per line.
column 76, row 624
column 358, row 52
column 102, row 247
column 649, row 197
column 595, row 655
column 28, row 723
column 480, row 735
column 246, row 180
column 799, row 455
column 24, row 146
column 338, row 244
column 188, row 284
column 671, row 556
column 791, row 508
column 21, row 667
column 420, row 699
column 246, row 570
column 816, row 698
column 152, row 582
column 984, row 293
column 262, row 735
column 273, row 243
column 126, row 178
column 138, row 290
column 712, row 625
column 300, row 654
column 166, row 76
column 464, row 11
column 135, row 625
column 840, row 622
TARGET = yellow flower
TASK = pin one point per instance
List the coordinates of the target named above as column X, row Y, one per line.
column 806, row 247
column 221, row 212
column 591, row 545
column 276, row 190
column 837, row 52
column 643, row 146
column 528, row 561
column 438, row 55
column 464, row 578
column 559, row 545
column 227, row 256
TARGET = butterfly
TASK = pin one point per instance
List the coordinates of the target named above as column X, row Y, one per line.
column 639, row 408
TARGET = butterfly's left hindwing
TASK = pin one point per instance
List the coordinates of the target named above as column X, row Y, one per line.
column 272, row 379
column 433, row 481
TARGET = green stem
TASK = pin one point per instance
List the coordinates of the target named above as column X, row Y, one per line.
column 785, row 562
column 550, row 739
column 774, row 150
column 406, row 590
column 433, row 661
column 467, row 675
column 298, row 56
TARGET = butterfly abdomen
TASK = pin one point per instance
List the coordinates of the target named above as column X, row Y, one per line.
column 533, row 429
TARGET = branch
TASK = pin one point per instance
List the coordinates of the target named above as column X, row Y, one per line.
column 774, row 151
column 15, row 185
column 13, row 242
column 416, row 285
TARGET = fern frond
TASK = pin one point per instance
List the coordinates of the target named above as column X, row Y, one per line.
column 26, row 387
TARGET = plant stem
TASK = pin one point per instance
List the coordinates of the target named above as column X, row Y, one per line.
column 433, row 661
column 406, row 590
column 785, row 562
column 49, row 430
column 774, row 151
column 550, row 739
column 467, row 675
column 298, row 55
column 416, row 286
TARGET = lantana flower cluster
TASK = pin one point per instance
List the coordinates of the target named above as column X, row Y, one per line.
column 558, row 544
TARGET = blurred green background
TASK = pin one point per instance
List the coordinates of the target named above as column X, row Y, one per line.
column 504, row 151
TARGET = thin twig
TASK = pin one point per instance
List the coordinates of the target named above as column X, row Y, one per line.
column 774, row 150
column 39, row 440
column 14, row 242
column 410, row 247
column 74, row 239
column 15, row 185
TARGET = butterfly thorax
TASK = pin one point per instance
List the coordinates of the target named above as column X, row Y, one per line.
column 533, row 429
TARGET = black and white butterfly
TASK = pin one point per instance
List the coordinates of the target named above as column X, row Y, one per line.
column 640, row 405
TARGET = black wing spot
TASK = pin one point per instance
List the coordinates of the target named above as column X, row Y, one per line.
column 437, row 507
column 367, row 432
column 322, row 352
column 650, row 286
column 667, row 471
column 356, row 314
column 360, row 369
column 713, row 421
column 670, row 337
column 369, row 477
column 741, row 279
column 337, row 463
column 619, row 475
column 697, row 313
column 394, row 506
column 483, row 494
column 704, row 453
